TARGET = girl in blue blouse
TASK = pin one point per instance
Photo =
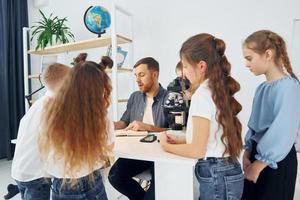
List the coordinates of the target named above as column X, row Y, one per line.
column 269, row 161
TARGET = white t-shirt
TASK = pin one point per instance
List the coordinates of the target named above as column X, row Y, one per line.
column 27, row 164
column 202, row 105
column 148, row 115
column 56, row 167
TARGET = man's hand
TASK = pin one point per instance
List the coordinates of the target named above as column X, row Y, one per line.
column 138, row 126
column 119, row 125
column 253, row 170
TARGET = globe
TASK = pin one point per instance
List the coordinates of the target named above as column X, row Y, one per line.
column 97, row 19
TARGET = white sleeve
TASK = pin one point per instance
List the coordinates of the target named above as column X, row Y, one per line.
column 110, row 132
column 202, row 105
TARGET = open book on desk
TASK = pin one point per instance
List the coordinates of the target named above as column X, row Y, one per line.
column 132, row 133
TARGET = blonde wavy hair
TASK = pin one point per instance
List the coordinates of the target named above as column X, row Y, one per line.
column 54, row 74
column 74, row 124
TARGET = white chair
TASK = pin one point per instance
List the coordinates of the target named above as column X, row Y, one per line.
column 144, row 179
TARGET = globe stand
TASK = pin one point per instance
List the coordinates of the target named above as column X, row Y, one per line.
column 102, row 32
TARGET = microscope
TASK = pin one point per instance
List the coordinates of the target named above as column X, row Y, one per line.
column 176, row 105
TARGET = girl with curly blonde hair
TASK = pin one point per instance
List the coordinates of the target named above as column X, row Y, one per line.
column 77, row 136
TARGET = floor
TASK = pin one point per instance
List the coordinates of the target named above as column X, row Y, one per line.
column 111, row 192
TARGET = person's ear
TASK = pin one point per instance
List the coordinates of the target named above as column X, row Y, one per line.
column 155, row 74
column 269, row 54
column 202, row 66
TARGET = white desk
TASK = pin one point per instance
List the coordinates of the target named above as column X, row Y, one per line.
column 174, row 175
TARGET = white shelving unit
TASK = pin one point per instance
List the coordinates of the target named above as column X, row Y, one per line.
column 114, row 39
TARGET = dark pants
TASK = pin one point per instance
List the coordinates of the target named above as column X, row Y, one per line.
column 84, row 188
column 273, row 184
column 38, row 189
column 121, row 178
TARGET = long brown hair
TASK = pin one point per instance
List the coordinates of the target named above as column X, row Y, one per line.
column 205, row 47
column 262, row 40
column 74, row 124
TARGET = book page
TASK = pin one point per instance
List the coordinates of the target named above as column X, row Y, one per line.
column 124, row 132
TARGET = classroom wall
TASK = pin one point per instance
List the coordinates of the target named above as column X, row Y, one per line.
column 160, row 27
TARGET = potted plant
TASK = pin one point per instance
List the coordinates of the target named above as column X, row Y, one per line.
column 50, row 29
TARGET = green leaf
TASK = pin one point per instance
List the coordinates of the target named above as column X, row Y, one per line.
column 50, row 29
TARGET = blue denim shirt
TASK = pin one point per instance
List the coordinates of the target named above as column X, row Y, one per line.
column 275, row 120
column 136, row 107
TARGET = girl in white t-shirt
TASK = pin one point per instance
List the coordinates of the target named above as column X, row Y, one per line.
column 213, row 133
column 77, row 135
column 27, row 166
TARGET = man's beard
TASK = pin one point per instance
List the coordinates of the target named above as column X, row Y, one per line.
column 147, row 88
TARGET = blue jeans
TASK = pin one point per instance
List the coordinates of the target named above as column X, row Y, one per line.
column 38, row 189
column 219, row 179
column 84, row 188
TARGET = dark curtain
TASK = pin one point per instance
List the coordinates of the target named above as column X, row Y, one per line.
column 13, row 17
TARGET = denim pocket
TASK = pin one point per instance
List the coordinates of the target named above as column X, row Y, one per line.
column 205, row 178
column 234, row 186
column 84, row 188
column 35, row 189
column 98, row 191
column 203, row 172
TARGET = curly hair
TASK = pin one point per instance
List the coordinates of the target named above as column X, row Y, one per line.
column 262, row 40
column 74, row 124
column 205, row 47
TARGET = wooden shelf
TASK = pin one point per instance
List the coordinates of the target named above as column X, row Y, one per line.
column 34, row 76
column 84, row 44
column 122, row 100
column 119, row 70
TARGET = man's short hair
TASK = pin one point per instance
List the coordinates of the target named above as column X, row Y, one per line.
column 151, row 63
column 54, row 73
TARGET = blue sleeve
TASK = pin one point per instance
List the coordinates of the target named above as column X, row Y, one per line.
column 278, row 140
column 248, row 143
column 126, row 115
